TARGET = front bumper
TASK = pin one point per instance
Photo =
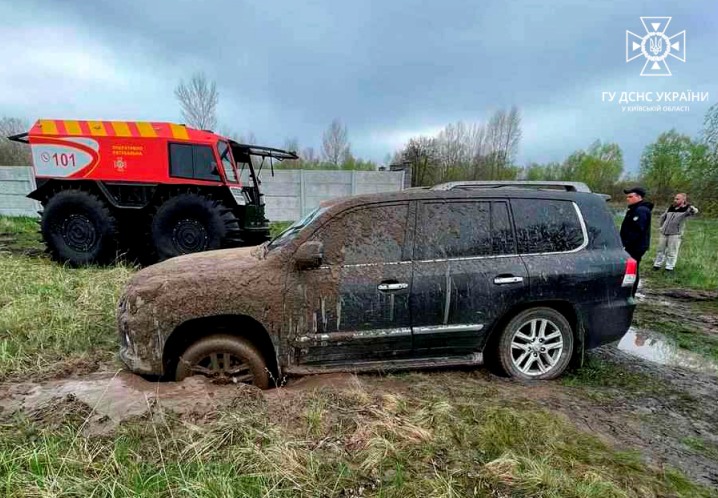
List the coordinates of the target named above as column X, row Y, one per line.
column 141, row 359
column 136, row 364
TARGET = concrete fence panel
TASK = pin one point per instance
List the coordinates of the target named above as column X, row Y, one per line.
column 288, row 195
column 15, row 183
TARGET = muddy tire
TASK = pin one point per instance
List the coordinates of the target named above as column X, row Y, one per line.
column 79, row 228
column 189, row 223
column 536, row 344
column 224, row 357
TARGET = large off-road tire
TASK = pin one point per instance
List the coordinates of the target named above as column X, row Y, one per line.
column 536, row 344
column 226, row 358
column 191, row 222
column 79, row 228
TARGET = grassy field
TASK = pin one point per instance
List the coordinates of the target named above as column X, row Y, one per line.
column 697, row 266
column 417, row 434
column 429, row 439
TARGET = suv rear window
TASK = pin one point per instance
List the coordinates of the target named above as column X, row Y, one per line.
column 193, row 161
column 546, row 225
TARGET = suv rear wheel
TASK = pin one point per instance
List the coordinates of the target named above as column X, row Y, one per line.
column 536, row 344
column 226, row 358
column 79, row 228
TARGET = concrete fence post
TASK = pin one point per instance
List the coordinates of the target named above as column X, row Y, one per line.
column 302, row 194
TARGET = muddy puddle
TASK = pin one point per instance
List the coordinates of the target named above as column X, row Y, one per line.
column 656, row 348
column 114, row 398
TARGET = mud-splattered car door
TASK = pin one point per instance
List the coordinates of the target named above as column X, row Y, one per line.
column 467, row 274
column 355, row 306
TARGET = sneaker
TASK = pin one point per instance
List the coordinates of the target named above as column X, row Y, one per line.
column 656, row 268
column 669, row 269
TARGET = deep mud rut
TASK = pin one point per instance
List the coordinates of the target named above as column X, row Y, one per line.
column 678, row 404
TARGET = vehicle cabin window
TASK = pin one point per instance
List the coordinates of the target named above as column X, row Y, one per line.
column 545, row 225
column 193, row 161
column 502, row 233
column 225, row 156
column 373, row 234
column 459, row 229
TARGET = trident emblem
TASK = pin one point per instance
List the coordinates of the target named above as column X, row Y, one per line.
column 656, row 46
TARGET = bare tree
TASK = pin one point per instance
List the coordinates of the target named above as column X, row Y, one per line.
column 198, row 100
column 503, row 135
column 423, row 155
column 13, row 153
column 335, row 144
column 248, row 138
column 462, row 151
column 292, row 145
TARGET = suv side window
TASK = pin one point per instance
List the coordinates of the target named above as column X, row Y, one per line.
column 193, row 161
column 546, row 225
column 502, row 233
column 373, row 234
column 453, row 230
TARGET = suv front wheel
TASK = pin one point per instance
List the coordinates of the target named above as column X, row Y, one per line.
column 536, row 344
column 225, row 358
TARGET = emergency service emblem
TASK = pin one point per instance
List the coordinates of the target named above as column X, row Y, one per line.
column 120, row 165
column 655, row 46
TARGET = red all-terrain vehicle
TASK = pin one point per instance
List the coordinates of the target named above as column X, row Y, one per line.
column 157, row 190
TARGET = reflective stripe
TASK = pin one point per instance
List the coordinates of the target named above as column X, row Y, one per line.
column 97, row 129
column 146, row 129
column 121, row 128
column 48, row 127
column 179, row 131
column 73, row 128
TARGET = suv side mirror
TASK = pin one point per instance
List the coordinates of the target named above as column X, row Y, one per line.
column 309, row 255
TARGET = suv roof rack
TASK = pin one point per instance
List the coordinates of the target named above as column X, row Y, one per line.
column 567, row 186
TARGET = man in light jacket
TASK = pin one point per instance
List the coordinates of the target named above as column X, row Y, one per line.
column 672, row 225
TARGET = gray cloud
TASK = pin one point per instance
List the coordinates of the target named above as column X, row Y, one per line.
column 388, row 70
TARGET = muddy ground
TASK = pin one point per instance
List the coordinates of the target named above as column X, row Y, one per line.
column 647, row 396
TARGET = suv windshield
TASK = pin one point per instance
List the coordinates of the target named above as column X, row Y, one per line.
column 229, row 171
column 292, row 232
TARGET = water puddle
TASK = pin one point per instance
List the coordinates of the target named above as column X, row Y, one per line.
column 654, row 347
column 114, row 398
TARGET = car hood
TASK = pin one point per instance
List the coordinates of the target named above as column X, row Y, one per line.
column 198, row 267
column 226, row 282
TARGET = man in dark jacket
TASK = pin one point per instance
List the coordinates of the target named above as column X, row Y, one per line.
column 636, row 226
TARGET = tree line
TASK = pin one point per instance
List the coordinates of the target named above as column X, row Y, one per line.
column 474, row 151
column 674, row 163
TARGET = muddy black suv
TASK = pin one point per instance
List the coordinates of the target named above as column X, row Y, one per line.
column 522, row 273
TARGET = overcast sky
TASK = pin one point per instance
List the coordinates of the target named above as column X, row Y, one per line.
column 387, row 69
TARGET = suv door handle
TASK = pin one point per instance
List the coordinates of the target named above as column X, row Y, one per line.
column 393, row 286
column 508, row 280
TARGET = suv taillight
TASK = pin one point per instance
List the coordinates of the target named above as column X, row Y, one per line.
column 629, row 277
